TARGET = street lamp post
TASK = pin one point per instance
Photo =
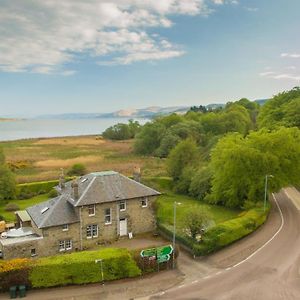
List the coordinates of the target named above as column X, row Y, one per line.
column 174, row 231
column 266, row 189
column 101, row 266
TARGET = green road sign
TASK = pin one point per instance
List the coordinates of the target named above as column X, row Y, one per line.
column 148, row 252
column 163, row 258
column 164, row 250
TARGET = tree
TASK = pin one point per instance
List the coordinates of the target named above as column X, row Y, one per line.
column 7, row 183
column 195, row 220
column 185, row 154
column 282, row 110
column 200, row 183
column 2, row 157
column 149, row 138
column 239, row 165
column 77, row 170
column 119, row 131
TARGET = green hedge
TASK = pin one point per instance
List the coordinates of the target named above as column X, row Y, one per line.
column 74, row 268
column 224, row 233
column 80, row 268
column 29, row 190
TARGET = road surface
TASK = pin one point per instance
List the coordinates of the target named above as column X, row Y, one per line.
column 270, row 273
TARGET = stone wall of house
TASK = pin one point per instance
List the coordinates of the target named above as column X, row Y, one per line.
column 141, row 219
column 53, row 235
column 21, row 250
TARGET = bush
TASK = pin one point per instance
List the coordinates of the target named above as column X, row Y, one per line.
column 53, row 193
column 14, row 272
column 80, row 268
column 7, row 183
column 29, row 190
column 11, row 207
column 77, row 170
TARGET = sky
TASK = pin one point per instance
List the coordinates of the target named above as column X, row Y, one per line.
column 101, row 56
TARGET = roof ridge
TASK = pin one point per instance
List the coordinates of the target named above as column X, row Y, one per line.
column 85, row 191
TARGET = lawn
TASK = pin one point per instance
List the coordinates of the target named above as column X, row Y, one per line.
column 42, row 159
column 10, row 216
column 165, row 205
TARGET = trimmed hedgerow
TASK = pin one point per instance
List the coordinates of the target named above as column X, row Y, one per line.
column 80, row 268
column 224, row 233
column 14, row 272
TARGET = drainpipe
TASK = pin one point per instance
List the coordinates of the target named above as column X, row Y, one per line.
column 80, row 230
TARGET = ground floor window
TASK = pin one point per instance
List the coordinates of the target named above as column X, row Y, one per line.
column 91, row 231
column 65, row 245
column 33, row 252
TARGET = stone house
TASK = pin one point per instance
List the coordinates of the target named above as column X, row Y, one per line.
column 96, row 209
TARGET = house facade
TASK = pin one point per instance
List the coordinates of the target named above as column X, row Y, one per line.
column 96, row 209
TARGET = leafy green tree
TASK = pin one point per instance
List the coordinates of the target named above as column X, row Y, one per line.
column 281, row 110
column 239, row 165
column 119, row 131
column 196, row 220
column 7, row 183
column 77, row 170
column 185, row 154
column 2, row 157
column 149, row 138
column 200, row 184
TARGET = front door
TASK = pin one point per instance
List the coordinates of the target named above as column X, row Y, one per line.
column 123, row 227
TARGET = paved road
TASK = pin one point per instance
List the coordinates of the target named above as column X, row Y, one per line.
column 271, row 273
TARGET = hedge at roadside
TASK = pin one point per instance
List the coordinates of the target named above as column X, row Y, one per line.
column 74, row 268
column 224, row 233
column 29, row 190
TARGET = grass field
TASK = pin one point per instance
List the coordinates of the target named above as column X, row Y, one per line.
column 10, row 216
column 41, row 159
column 165, row 205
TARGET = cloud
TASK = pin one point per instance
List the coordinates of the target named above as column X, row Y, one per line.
column 290, row 55
column 252, row 9
column 276, row 75
column 45, row 36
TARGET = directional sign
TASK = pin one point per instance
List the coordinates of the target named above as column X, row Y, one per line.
column 163, row 258
column 148, row 252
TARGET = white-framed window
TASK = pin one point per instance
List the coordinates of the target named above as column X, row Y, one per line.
column 107, row 216
column 92, row 231
column 68, row 244
column 122, row 205
column 92, row 210
column 144, row 202
column 33, row 252
column 62, row 246
column 65, row 227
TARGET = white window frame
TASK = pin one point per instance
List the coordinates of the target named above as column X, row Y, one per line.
column 65, row 227
column 68, row 244
column 31, row 252
column 94, row 231
column 125, row 204
column 94, row 210
column 106, row 215
column 146, row 201
column 62, row 246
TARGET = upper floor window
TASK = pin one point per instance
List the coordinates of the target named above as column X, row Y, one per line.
column 122, row 205
column 92, row 231
column 65, row 227
column 144, row 202
column 107, row 216
column 92, row 210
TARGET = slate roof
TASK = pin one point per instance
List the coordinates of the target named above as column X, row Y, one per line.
column 102, row 187
column 94, row 188
column 59, row 212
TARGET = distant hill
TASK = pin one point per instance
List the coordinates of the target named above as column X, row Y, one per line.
column 143, row 113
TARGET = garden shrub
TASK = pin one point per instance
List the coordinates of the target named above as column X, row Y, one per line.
column 11, row 207
column 14, row 272
column 80, row 268
column 77, row 170
column 29, row 190
column 53, row 193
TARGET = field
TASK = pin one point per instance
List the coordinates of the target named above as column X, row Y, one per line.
column 10, row 216
column 41, row 159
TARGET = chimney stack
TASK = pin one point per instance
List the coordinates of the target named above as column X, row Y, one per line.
column 137, row 174
column 62, row 179
column 75, row 192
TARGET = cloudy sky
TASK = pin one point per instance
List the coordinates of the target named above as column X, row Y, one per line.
column 101, row 55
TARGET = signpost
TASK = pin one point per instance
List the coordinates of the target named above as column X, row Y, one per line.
column 161, row 254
